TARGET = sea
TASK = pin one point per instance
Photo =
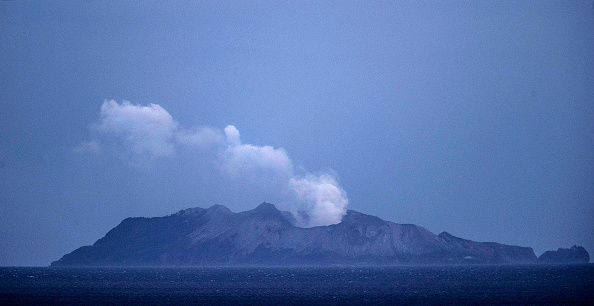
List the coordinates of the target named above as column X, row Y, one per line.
column 342, row 285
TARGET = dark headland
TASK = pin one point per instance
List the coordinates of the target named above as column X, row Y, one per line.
column 268, row 236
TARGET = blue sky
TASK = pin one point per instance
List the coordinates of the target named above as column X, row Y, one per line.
column 474, row 118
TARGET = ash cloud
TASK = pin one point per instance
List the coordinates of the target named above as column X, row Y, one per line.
column 142, row 134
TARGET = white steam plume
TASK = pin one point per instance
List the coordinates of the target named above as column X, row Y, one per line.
column 150, row 131
column 200, row 137
column 144, row 130
column 324, row 199
column 246, row 158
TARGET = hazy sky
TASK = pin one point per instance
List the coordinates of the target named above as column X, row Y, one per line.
column 472, row 117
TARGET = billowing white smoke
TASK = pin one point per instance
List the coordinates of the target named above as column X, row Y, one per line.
column 150, row 132
column 324, row 199
column 246, row 159
column 145, row 130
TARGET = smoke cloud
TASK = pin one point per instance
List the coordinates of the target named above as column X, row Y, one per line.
column 246, row 158
column 323, row 198
column 202, row 137
column 150, row 132
column 143, row 130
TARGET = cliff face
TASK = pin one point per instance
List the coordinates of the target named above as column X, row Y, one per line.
column 267, row 236
column 574, row 254
column 492, row 252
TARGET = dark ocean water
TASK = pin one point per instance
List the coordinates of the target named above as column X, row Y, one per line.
column 562, row 284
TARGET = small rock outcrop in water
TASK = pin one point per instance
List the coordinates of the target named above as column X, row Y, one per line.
column 575, row 254
column 267, row 236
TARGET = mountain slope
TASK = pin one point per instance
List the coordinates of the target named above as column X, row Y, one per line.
column 267, row 236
